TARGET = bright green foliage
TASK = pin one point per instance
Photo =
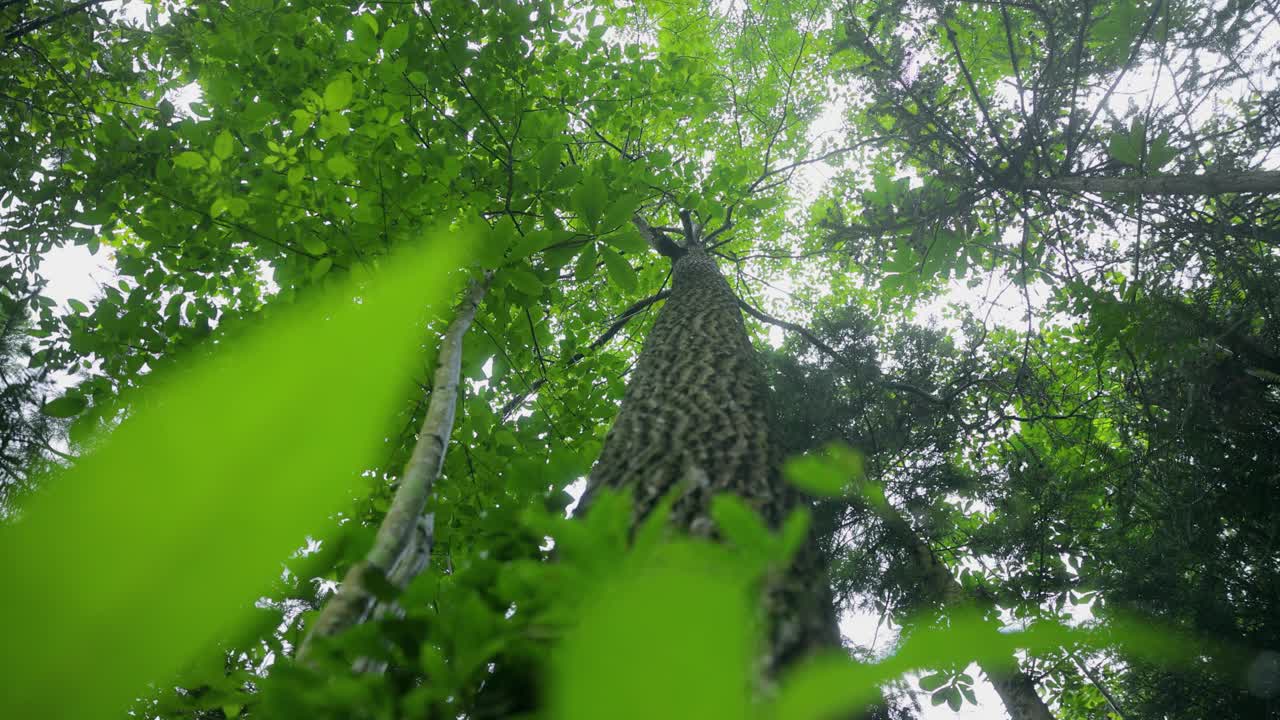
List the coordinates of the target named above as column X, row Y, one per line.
column 219, row 469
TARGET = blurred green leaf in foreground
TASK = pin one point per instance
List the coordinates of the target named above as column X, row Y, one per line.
column 156, row 543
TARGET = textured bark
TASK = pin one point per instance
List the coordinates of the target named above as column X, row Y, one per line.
column 696, row 420
column 403, row 541
column 1259, row 181
column 1016, row 689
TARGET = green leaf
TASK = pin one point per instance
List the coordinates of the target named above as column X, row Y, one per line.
column 1125, row 146
column 620, row 212
column 830, row 474
column 1160, row 153
column 679, row 619
column 245, row 501
column 66, row 406
column 491, row 243
column 741, row 525
column 549, row 160
column 627, row 239
column 620, row 271
column 585, row 267
column 530, row 244
column 395, row 37
column 321, row 268
column 337, row 94
column 190, row 159
column 589, row 200
column 223, row 145
column 313, row 245
column 524, row 281
column 794, row 532
column 953, row 699
column 929, row 683
column 339, row 165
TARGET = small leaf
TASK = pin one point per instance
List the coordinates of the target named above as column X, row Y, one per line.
column 620, row 212
column 795, row 529
column 741, row 525
column 620, row 271
column 818, row 475
column 65, row 406
column 321, row 268
column 530, row 244
column 339, row 165
column 549, row 160
column 524, row 281
column 395, row 37
column 337, row 94
column 190, row 159
column 223, row 145
column 586, row 265
column 929, row 683
column 627, row 239
column 589, row 200
column 1160, row 153
column 1125, row 146
column 313, row 245
column 953, row 699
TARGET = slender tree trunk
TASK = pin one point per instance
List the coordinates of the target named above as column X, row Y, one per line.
column 402, row 545
column 696, row 421
column 1016, row 689
column 1258, row 181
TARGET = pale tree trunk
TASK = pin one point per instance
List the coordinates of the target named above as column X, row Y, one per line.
column 1016, row 689
column 695, row 422
column 402, row 545
column 1257, row 181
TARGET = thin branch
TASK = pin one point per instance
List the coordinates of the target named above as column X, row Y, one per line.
column 621, row 322
column 32, row 25
column 397, row 534
column 1133, row 56
column 973, row 89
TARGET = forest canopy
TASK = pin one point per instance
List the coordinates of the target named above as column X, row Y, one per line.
column 639, row 358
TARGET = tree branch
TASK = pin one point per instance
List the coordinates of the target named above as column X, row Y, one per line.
column 1257, row 181
column 395, row 539
column 621, row 322
column 657, row 239
column 32, row 25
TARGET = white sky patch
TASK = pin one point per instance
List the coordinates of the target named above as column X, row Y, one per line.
column 73, row 272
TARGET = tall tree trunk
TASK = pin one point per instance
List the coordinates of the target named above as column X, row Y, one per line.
column 402, row 545
column 695, row 421
column 1257, row 181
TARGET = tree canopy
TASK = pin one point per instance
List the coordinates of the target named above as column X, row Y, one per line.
column 1011, row 268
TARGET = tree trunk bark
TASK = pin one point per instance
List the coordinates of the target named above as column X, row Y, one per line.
column 402, row 545
column 696, row 421
column 1258, row 181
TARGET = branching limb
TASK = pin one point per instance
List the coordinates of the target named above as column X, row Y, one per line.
column 657, row 239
